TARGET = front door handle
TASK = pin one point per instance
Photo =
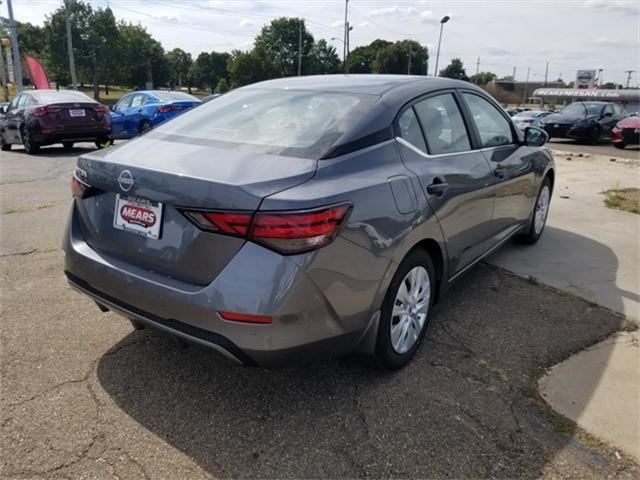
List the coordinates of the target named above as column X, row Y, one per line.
column 438, row 187
column 500, row 172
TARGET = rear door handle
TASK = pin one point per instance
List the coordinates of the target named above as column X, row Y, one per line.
column 438, row 187
column 500, row 172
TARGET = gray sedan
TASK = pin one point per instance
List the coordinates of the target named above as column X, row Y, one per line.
column 301, row 218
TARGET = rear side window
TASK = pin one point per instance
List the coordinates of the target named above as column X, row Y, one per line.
column 410, row 129
column 138, row 100
column 442, row 124
column 124, row 103
column 493, row 128
column 297, row 123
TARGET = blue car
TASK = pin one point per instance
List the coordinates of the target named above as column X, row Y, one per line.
column 139, row 111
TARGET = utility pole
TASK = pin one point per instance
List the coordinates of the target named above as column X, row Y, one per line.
column 526, row 87
column 409, row 62
column 299, row 48
column 3, row 74
column 478, row 66
column 72, row 63
column 629, row 72
column 14, row 47
column 346, row 35
column 513, row 75
column 546, row 74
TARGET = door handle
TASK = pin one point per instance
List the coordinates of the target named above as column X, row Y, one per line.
column 139, row 110
column 500, row 172
column 438, row 187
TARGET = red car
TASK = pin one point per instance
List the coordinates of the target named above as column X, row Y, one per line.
column 626, row 132
column 43, row 117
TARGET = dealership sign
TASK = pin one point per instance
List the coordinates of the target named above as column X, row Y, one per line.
column 585, row 78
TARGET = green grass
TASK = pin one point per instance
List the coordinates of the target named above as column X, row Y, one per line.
column 627, row 199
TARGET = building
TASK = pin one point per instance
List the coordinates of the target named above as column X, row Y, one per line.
column 629, row 99
column 510, row 92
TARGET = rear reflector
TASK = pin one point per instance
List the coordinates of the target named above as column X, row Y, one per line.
column 241, row 317
column 287, row 232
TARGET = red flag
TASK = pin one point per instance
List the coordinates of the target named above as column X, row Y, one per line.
column 37, row 74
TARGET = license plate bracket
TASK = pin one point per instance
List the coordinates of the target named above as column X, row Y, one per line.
column 138, row 215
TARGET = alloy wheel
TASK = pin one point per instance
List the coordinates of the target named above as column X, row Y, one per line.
column 542, row 209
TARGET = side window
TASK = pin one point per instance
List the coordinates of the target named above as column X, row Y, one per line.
column 138, row 100
column 410, row 129
column 493, row 128
column 124, row 103
column 14, row 103
column 442, row 124
column 617, row 109
column 23, row 101
column 608, row 109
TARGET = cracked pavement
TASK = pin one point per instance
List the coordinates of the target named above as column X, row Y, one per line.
column 83, row 395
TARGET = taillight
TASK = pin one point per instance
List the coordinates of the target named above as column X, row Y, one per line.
column 79, row 188
column 230, row 223
column 39, row 111
column 297, row 232
column 287, row 232
column 101, row 109
column 168, row 108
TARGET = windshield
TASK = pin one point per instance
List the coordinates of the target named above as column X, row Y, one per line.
column 302, row 123
column 60, row 97
column 170, row 96
column 580, row 108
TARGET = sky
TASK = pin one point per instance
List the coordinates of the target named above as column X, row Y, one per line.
column 569, row 35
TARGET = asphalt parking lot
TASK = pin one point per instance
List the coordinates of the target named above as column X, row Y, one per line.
column 85, row 396
column 606, row 149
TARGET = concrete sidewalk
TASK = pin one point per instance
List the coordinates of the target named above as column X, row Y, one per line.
column 593, row 252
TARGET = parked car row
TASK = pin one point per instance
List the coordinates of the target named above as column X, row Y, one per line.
column 593, row 122
column 37, row 118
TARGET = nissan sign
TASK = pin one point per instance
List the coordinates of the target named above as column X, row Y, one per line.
column 585, row 78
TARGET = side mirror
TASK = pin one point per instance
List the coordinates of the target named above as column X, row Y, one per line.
column 607, row 114
column 112, row 107
column 535, row 137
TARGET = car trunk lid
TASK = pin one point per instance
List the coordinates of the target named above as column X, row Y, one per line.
column 180, row 176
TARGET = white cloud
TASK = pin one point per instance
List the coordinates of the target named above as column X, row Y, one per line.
column 616, row 6
column 168, row 18
column 338, row 23
column 363, row 25
column 612, row 42
column 245, row 22
column 394, row 11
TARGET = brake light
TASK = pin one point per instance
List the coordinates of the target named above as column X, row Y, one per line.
column 283, row 231
column 102, row 109
column 79, row 188
column 168, row 108
column 241, row 317
column 230, row 223
column 39, row 111
column 297, row 232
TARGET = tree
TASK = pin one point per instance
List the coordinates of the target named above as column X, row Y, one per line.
column 279, row 41
column 102, row 43
column 322, row 59
column 506, row 78
column 143, row 60
column 179, row 63
column 455, row 70
column 209, row 68
column 222, row 87
column 394, row 58
column 361, row 58
column 249, row 67
column 482, row 78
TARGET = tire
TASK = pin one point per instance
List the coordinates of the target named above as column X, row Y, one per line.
column 594, row 138
column 619, row 145
column 30, row 146
column 538, row 218
column 144, row 126
column 5, row 147
column 392, row 352
column 103, row 142
column 67, row 145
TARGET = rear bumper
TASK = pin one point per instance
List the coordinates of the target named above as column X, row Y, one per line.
column 256, row 281
column 50, row 136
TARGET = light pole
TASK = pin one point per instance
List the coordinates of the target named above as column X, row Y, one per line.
column 346, row 32
column 444, row 20
column 14, row 47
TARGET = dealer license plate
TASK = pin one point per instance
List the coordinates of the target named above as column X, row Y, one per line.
column 138, row 215
column 76, row 112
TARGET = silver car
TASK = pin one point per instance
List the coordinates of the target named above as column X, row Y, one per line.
column 307, row 217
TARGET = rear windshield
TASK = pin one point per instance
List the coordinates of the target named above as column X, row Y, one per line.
column 169, row 96
column 297, row 123
column 580, row 108
column 60, row 97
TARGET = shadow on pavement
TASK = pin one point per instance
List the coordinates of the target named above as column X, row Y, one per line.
column 465, row 407
column 55, row 151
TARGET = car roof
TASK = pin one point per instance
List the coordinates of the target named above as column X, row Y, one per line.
column 372, row 84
